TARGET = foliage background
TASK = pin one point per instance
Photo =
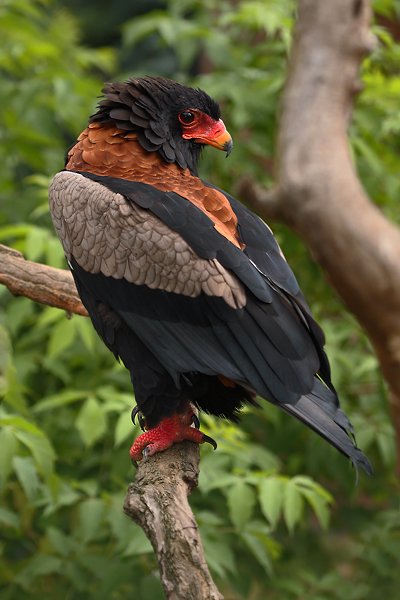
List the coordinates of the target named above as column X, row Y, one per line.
column 279, row 511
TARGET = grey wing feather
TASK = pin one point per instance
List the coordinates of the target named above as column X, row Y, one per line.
column 108, row 234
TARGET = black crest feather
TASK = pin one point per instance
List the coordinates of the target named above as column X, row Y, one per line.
column 149, row 106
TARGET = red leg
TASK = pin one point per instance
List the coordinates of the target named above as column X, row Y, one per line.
column 169, row 431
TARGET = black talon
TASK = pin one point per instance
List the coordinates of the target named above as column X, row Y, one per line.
column 134, row 413
column 210, row 440
column 196, row 421
column 142, row 420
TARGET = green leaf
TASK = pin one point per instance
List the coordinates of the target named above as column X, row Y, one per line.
column 121, row 528
column 258, row 545
column 18, row 313
column 9, row 518
column 62, row 336
column 49, row 315
column 62, row 399
column 25, row 470
column 62, row 494
column 13, row 390
column 41, row 564
column 139, row 543
column 150, row 588
column 35, row 242
column 90, row 487
column 263, row 458
column 41, row 450
column 387, row 445
column 86, row 333
column 112, row 397
column 320, row 507
column 14, row 231
column 304, row 482
column 19, row 423
column 91, row 513
column 63, row 544
column 54, row 253
column 34, row 438
column 142, row 27
column 219, row 555
column 293, row 505
column 214, row 466
column 123, row 429
column 218, row 483
column 317, row 497
column 8, row 445
column 241, row 500
column 271, row 495
column 91, row 422
column 208, row 518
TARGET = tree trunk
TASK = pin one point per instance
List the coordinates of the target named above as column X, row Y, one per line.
column 157, row 501
column 318, row 193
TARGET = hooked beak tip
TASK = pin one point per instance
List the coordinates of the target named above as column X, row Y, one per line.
column 228, row 147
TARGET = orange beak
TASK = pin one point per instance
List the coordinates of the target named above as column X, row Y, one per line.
column 216, row 136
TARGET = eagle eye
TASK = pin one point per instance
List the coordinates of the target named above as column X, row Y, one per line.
column 186, row 117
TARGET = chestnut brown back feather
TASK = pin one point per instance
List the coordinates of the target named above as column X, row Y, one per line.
column 108, row 151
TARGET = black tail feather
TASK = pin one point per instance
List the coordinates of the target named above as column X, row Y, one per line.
column 319, row 410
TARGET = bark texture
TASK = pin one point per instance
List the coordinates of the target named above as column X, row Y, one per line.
column 40, row 283
column 158, row 502
column 318, row 192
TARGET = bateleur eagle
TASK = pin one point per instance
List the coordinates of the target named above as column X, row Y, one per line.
column 182, row 282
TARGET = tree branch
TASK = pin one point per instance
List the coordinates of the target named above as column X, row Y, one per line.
column 318, row 191
column 157, row 501
column 262, row 200
column 40, row 283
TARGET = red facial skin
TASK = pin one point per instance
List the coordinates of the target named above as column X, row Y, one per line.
column 205, row 130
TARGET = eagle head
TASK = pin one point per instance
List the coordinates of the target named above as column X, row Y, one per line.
column 167, row 117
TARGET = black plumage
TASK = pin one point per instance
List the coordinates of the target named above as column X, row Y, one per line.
column 235, row 328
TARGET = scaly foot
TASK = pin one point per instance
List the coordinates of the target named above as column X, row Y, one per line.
column 169, row 431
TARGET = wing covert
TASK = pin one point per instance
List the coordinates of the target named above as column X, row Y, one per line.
column 107, row 234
